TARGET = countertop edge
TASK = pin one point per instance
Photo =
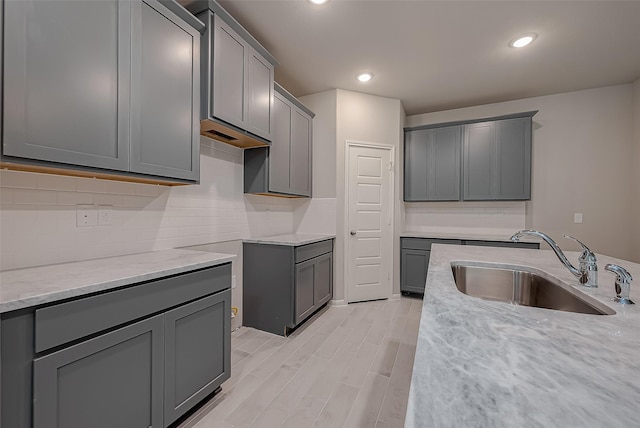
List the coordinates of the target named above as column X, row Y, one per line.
column 48, row 297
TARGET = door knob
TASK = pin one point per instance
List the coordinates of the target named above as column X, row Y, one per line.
column 353, row 233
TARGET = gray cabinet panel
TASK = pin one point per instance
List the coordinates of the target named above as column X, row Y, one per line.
column 308, row 251
column 113, row 380
column 198, row 349
column 432, row 164
column 323, row 281
column 300, row 181
column 228, row 100
column 479, row 161
column 165, row 88
column 513, row 139
column 413, row 273
column 279, row 158
column 415, row 165
column 259, row 94
column 304, row 294
column 445, row 164
column 531, row 245
column 66, row 80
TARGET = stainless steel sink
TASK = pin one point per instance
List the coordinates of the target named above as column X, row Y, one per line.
column 523, row 287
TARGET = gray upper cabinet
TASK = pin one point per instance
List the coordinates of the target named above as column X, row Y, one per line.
column 432, row 164
column 166, row 87
column 66, row 82
column 237, row 76
column 284, row 168
column 477, row 160
column 497, row 160
column 110, row 84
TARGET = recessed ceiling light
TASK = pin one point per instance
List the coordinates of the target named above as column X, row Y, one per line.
column 364, row 77
column 318, row 1
column 522, row 41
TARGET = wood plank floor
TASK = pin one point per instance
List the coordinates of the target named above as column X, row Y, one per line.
column 348, row 366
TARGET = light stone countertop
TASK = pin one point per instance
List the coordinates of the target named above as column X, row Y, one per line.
column 471, row 236
column 291, row 239
column 22, row 288
column 482, row 363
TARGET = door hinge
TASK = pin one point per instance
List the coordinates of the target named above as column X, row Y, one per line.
column 390, row 166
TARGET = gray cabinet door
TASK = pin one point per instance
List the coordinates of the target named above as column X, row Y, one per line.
column 280, row 150
column 479, row 161
column 66, row 82
column 197, row 352
column 113, row 380
column 229, row 74
column 497, row 160
column 415, row 165
column 432, row 164
column 513, row 160
column 259, row 94
column 323, row 280
column 303, row 289
column 413, row 270
column 300, row 178
column 165, row 93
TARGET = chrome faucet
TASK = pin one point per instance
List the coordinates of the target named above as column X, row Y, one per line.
column 623, row 283
column 587, row 271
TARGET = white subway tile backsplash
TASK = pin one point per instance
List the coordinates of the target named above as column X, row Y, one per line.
column 38, row 213
column 55, row 182
column 35, row 197
column 18, row 179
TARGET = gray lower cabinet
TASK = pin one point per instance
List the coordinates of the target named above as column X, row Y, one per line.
column 415, row 253
column 195, row 334
column 497, row 160
column 283, row 285
column 432, row 164
column 284, row 168
column 139, row 356
column 97, row 84
column 113, row 380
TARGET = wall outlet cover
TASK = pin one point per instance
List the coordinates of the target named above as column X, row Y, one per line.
column 86, row 216
column 577, row 218
column 105, row 216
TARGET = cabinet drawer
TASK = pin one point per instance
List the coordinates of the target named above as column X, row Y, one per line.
column 309, row 251
column 62, row 323
column 425, row 243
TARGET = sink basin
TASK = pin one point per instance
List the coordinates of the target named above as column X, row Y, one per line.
column 523, row 287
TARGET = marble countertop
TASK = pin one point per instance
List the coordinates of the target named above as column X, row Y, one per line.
column 291, row 239
column 495, row 236
column 22, row 288
column 482, row 363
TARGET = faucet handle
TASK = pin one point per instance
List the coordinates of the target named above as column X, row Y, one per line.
column 623, row 283
column 587, row 255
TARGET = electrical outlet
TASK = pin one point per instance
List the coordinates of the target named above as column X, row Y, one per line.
column 86, row 216
column 105, row 216
column 577, row 218
column 233, row 281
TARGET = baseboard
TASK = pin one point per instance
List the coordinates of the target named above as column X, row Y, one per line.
column 395, row 297
column 337, row 302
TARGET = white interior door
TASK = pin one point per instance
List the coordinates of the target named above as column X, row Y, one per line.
column 370, row 232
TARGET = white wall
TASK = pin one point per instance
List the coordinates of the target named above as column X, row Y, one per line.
column 636, row 168
column 582, row 163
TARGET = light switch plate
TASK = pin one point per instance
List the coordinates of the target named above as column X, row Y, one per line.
column 577, row 218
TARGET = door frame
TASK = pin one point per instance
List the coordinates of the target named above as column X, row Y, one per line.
column 347, row 242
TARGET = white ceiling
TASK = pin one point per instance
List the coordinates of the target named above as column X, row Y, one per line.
column 438, row 55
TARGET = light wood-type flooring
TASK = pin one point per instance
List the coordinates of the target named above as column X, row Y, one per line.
column 347, row 366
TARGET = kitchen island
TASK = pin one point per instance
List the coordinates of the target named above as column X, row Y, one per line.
column 483, row 363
